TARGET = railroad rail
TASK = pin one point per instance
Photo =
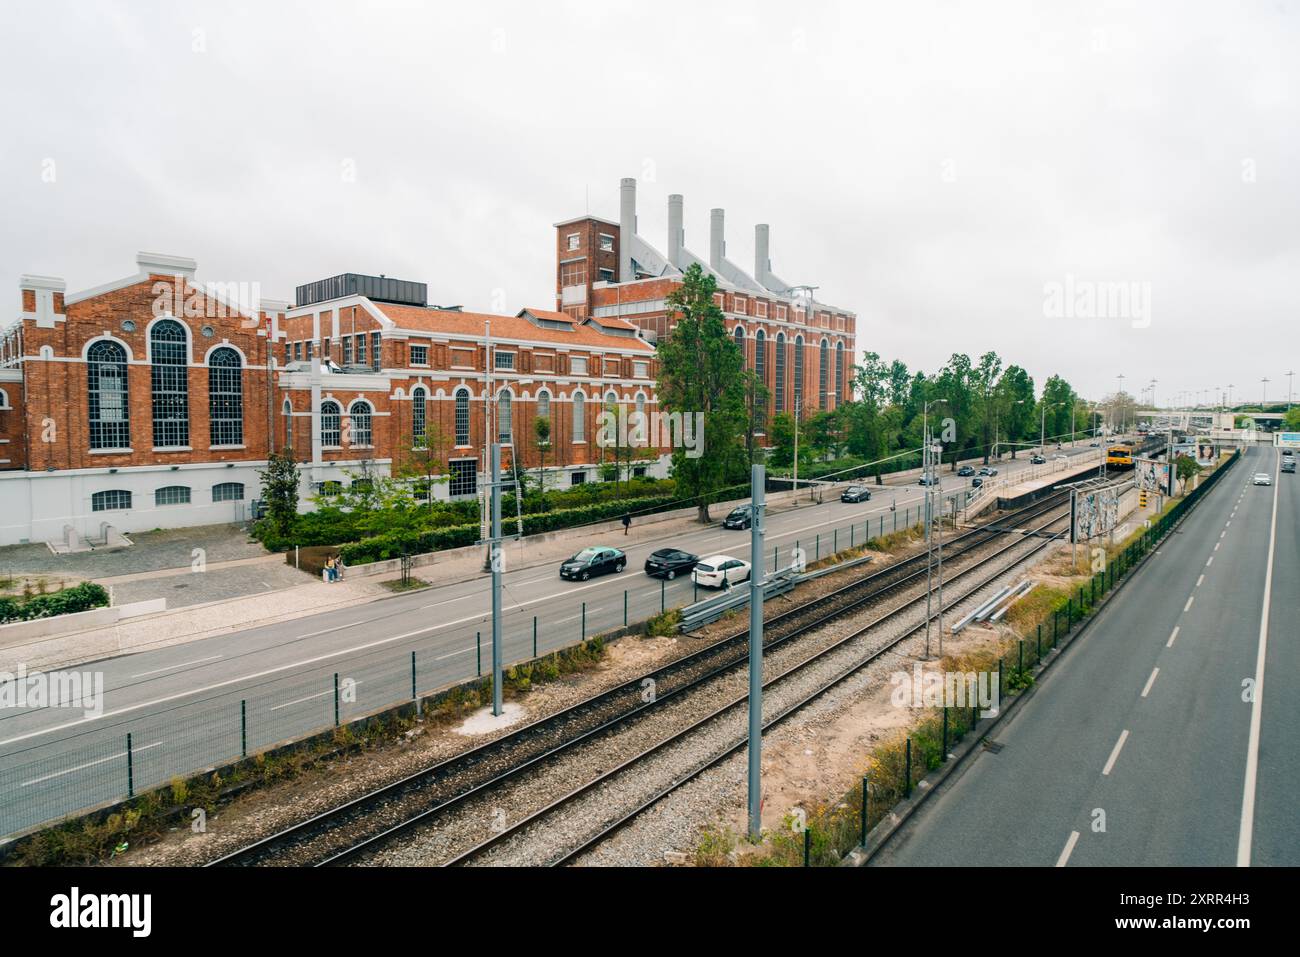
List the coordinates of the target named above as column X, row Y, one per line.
column 343, row 833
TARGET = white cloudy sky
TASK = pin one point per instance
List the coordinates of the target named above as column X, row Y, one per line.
column 930, row 165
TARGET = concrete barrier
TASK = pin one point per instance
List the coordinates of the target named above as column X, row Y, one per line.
column 20, row 631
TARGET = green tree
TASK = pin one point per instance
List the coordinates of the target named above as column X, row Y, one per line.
column 542, row 441
column 1014, row 413
column 280, row 480
column 1291, row 420
column 701, row 375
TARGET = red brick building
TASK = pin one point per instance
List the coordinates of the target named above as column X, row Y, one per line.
column 154, row 400
column 803, row 350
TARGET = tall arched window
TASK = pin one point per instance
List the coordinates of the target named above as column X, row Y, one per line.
column 331, row 429
column 288, row 424
column 739, row 334
column 505, row 425
column 798, row 377
column 359, row 423
column 225, row 397
column 110, row 426
column 839, row 372
column 579, row 417
column 824, row 373
column 419, row 413
column 462, row 416
column 780, row 372
column 169, row 378
column 760, row 356
column 543, row 405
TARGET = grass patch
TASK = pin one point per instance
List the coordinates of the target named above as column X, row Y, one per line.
column 411, row 584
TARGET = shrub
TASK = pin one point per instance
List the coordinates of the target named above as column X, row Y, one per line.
column 69, row 601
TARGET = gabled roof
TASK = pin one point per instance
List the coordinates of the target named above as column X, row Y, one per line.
column 470, row 325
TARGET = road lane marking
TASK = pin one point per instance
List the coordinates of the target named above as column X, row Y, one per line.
column 1199, row 580
column 158, row 671
column 1209, row 561
column 1222, row 533
column 88, row 764
column 1190, row 599
column 1256, row 708
column 1150, row 682
column 1216, row 546
column 1172, row 635
column 1069, row 849
column 1110, row 762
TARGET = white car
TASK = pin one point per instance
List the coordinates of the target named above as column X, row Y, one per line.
column 1057, row 458
column 719, row 571
column 1263, row 478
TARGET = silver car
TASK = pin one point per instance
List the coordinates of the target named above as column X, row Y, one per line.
column 1263, row 478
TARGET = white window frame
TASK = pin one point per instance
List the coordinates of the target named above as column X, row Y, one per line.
column 574, row 241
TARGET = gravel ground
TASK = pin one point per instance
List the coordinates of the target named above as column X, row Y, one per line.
column 624, row 790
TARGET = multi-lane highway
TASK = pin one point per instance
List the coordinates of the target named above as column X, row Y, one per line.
column 1164, row 736
column 191, row 705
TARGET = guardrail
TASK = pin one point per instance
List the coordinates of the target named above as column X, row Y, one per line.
column 706, row 612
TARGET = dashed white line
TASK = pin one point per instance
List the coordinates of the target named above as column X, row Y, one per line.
column 1069, row 849
column 1190, row 599
column 1110, row 762
column 1150, row 682
column 1172, row 635
column 89, row 764
column 1209, row 561
column 1200, row 580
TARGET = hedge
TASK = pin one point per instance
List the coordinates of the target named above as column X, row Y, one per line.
column 81, row 597
column 380, row 548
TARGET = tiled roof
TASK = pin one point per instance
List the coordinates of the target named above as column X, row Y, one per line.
column 548, row 314
column 446, row 323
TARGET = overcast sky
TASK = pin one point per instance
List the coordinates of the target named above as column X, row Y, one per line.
column 933, row 167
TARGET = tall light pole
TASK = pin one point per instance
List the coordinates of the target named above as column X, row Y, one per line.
column 757, row 481
column 927, row 466
column 1289, row 376
column 1263, row 395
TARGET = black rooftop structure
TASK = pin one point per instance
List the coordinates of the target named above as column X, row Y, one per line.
column 378, row 288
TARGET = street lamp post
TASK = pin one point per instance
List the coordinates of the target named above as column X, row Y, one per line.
column 927, row 469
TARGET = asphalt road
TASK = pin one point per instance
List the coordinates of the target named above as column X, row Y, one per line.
column 200, row 703
column 1141, row 726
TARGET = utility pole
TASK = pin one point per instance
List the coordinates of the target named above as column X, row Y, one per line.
column 487, row 432
column 927, row 470
column 1263, row 395
column 938, row 549
column 494, row 550
column 757, row 480
column 1289, row 376
column 798, row 403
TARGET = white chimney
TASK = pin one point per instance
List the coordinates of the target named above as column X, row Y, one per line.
column 717, row 245
column 626, row 227
column 676, row 235
column 762, row 259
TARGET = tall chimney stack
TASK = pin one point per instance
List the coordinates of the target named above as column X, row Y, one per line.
column 676, row 236
column 762, row 259
column 717, row 245
column 626, row 227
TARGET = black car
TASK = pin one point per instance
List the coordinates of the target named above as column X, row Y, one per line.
column 965, row 471
column 669, row 563
column 1288, row 465
column 740, row 517
column 856, row 493
column 593, row 561
column 1037, row 460
column 976, row 482
column 926, row 480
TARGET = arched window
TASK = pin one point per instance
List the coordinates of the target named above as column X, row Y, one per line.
column 543, row 405
column 171, row 495
column 169, row 378
column 739, row 334
column 111, row 501
column 824, row 373
column 798, row 377
column 780, row 372
column 226, row 397
column 331, row 432
column 359, row 423
column 839, row 372
column 760, row 356
column 110, row 426
column 288, row 425
column 579, row 417
column 505, row 424
column 419, row 415
column 611, row 398
column 228, row 492
column 640, row 403
column 462, row 416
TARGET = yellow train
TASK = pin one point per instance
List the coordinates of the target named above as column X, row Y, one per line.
column 1119, row 457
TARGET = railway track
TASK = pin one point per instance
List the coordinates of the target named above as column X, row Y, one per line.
column 357, row 828
column 844, row 659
